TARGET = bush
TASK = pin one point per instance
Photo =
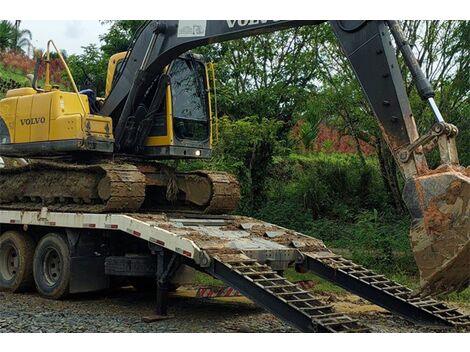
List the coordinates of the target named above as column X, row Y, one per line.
column 20, row 63
column 247, row 147
column 338, row 184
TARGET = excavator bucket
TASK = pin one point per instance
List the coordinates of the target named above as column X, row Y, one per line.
column 439, row 203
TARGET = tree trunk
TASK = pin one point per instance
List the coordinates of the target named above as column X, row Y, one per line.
column 388, row 170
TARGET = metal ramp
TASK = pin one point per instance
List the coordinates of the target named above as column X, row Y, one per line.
column 265, row 243
column 379, row 290
column 281, row 297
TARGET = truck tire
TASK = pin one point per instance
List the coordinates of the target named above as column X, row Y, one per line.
column 16, row 261
column 51, row 266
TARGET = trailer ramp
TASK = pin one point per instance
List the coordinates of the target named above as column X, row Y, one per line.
column 265, row 243
column 386, row 293
column 284, row 299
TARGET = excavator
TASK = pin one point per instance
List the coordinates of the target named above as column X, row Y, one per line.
column 88, row 154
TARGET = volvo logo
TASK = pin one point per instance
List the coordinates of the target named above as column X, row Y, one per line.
column 33, row 121
column 245, row 23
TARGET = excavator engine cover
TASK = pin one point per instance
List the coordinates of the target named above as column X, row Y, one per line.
column 439, row 203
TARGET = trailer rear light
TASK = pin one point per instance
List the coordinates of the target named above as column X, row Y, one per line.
column 188, row 254
column 136, row 233
column 111, row 226
column 90, row 226
column 159, row 242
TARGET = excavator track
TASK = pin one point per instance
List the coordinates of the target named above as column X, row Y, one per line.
column 115, row 187
column 99, row 188
column 203, row 192
column 225, row 195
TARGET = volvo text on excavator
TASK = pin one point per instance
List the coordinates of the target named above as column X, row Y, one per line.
column 99, row 155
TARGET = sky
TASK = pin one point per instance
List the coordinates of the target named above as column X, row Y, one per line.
column 67, row 35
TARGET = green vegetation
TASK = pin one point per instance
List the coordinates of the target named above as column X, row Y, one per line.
column 15, row 75
column 89, row 68
column 14, row 38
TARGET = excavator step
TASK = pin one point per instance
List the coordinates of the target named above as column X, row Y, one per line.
column 295, row 306
column 386, row 293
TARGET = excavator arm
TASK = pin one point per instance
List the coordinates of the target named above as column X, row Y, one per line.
column 438, row 200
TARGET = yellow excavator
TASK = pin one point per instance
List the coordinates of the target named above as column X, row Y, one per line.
column 100, row 154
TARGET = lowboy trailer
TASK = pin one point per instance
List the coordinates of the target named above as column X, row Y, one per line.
column 62, row 253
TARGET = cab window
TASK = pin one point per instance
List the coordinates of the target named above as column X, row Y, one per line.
column 189, row 98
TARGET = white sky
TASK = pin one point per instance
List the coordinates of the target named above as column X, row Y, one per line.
column 67, row 35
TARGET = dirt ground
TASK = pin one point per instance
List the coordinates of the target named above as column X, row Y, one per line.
column 122, row 311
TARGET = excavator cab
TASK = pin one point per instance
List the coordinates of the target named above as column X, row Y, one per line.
column 181, row 125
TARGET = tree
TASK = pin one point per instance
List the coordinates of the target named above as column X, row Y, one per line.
column 268, row 75
column 89, row 68
column 248, row 145
column 443, row 50
column 119, row 36
column 14, row 38
column 7, row 35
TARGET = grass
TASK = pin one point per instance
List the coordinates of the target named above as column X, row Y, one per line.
column 324, row 287
column 16, row 76
column 20, row 77
column 321, row 286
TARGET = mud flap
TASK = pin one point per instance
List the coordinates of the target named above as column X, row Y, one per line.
column 87, row 275
column 439, row 203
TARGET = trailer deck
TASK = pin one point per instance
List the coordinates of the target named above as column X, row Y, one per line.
column 251, row 255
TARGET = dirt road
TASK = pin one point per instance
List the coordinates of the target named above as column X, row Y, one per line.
column 122, row 311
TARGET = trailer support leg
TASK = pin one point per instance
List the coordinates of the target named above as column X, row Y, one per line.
column 167, row 265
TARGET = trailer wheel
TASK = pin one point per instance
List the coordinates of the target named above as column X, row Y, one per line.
column 51, row 266
column 16, row 261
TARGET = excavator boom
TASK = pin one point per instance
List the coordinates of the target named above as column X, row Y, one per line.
column 438, row 200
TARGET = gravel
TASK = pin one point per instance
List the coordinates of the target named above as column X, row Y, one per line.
column 122, row 311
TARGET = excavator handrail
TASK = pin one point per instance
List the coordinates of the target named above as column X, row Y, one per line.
column 69, row 74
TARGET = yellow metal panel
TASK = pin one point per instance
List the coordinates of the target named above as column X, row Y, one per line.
column 157, row 141
column 209, row 99
column 8, row 114
column 24, row 122
column 67, row 103
column 39, row 116
column 19, row 92
column 113, row 61
column 98, row 125
column 66, row 127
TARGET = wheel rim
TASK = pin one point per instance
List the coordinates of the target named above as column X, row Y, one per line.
column 52, row 266
column 9, row 261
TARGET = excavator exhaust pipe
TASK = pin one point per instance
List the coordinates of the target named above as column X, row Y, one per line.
column 439, row 203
